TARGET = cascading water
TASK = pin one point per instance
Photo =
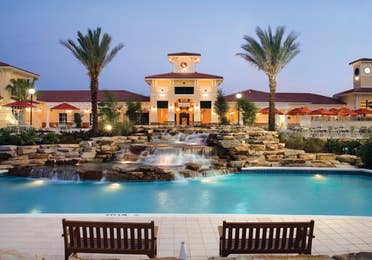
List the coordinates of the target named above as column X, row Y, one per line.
column 196, row 138
column 55, row 174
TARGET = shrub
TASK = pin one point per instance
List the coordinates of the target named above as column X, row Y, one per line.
column 292, row 141
column 77, row 120
column 314, row 145
column 333, row 146
column 123, row 128
column 366, row 153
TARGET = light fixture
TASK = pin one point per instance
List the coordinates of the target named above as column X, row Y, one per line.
column 108, row 128
column 178, row 109
column 356, row 78
column 31, row 91
column 190, row 109
column 238, row 95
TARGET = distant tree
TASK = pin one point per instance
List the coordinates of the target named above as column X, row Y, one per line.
column 134, row 112
column 18, row 88
column 221, row 107
column 77, row 120
column 270, row 54
column 92, row 51
column 109, row 109
column 247, row 110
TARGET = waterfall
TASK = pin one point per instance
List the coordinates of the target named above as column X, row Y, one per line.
column 56, row 173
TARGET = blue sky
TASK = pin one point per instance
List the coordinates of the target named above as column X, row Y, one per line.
column 332, row 33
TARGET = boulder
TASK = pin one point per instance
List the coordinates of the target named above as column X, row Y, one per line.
column 325, row 156
column 90, row 174
column 228, row 144
column 290, row 161
column 273, row 157
column 193, row 166
column 212, row 139
column 39, row 156
column 7, row 148
column 139, row 148
column 219, row 163
column 258, row 147
column 27, row 149
column 352, row 159
column 189, row 173
column 237, row 164
column 88, row 155
column 7, row 155
column 307, row 156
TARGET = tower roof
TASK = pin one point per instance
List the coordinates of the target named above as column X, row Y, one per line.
column 184, row 54
column 361, row 59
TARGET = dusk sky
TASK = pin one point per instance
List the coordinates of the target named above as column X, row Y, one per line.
column 331, row 34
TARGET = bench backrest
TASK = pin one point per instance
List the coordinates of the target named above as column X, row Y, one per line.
column 267, row 237
column 109, row 236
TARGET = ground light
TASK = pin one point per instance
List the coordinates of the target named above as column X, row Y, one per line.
column 319, row 177
column 37, row 183
column 114, row 186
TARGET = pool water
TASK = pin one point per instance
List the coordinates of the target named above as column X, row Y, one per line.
column 250, row 193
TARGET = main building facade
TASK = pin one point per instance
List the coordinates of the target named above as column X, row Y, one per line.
column 183, row 96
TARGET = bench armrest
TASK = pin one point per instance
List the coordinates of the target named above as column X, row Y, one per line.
column 156, row 231
column 220, row 231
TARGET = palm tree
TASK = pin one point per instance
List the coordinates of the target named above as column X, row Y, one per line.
column 18, row 88
column 270, row 54
column 94, row 53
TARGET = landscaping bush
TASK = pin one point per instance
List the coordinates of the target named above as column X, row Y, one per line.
column 123, row 128
column 292, row 141
column 365, row 153
column 314, row 145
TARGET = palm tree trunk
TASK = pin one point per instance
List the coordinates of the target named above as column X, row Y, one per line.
column 272, row 85
column 94, row 100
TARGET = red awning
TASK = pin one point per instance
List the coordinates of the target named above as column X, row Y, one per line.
column 22, row 104
column 65, row 106
column 323, row 112
column 299, row 111
column 346, row 112
column 362, row 111
column 266, row 111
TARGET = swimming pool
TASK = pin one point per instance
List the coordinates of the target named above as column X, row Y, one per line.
column 256, row 192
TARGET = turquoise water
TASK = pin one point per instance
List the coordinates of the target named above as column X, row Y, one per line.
column 252, row 193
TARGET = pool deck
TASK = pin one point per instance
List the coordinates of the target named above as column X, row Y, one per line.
column 40, row 234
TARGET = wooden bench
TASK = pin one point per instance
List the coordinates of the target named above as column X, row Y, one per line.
column 109, row 238
column 266, row 237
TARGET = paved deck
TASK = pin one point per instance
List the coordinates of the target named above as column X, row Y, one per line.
column 41, row 234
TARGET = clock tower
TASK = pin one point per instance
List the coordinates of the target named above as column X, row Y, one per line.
column 362, row 73
column 184, row 62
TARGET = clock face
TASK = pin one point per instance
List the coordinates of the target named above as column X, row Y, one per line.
column 367, row 70
column 183, row 65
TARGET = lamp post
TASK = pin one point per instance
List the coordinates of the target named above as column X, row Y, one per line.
column 238, row 96
column 31, row 91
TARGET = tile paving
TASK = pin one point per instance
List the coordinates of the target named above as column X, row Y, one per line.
column 41, row 234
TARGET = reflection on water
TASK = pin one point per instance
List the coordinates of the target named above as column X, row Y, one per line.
column 36, row 183
column 114, row 186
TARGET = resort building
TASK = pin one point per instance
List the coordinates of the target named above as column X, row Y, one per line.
column 360, row 96
column 8, row 115
column 183, row 97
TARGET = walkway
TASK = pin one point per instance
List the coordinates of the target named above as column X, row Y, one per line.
column 41, row 234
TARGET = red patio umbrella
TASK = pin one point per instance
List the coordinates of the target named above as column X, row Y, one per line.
column 299, row 111
column 65, row 106
column 266, row 111
column 20, row 104
column 346, row 112
column 362, row 111
column 322, row 112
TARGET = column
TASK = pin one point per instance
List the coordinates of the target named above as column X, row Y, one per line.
column 47, row 116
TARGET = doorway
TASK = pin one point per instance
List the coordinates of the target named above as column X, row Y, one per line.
column 184, row 118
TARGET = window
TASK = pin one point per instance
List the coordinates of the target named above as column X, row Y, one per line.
column 184, row 90
column 63, row 118
column 205, row 104
column 162, row 104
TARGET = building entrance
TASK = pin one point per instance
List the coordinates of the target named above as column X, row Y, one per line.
column 184, row 118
